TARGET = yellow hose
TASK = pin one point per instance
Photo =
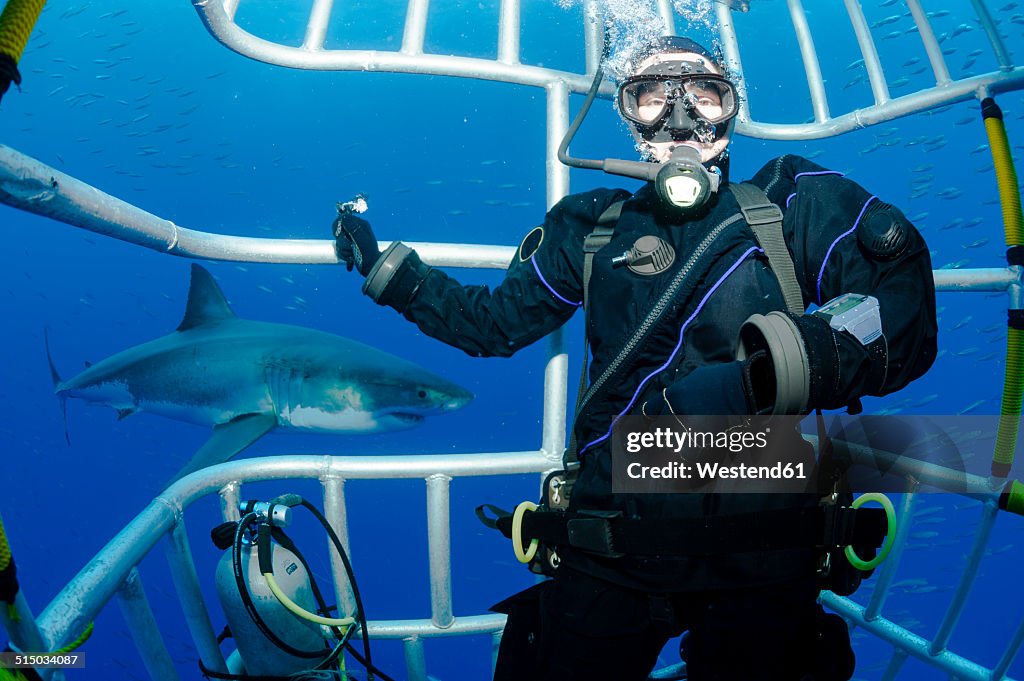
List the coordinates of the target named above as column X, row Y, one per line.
column 1013, row 228
column 8, row 576
column 16, row 23
column 1006, row 177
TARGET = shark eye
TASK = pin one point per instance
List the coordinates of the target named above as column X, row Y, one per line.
column 422, row 394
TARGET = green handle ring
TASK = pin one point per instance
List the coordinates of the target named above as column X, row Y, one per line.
column 890, row 534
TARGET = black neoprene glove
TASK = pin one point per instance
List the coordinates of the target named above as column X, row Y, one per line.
column 731, row 388
column 355, row 243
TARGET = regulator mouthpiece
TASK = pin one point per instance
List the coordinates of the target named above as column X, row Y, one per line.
column 683, row 182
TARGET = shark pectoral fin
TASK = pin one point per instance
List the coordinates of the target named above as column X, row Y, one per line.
column 125, row 413
column 228, row 439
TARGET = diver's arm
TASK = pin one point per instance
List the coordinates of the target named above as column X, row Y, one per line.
column 541, row 290
column 844, row 240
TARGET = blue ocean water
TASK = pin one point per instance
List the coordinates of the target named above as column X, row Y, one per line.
column 138, row 100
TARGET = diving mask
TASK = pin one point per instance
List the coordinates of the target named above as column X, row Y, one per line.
column 678, row 101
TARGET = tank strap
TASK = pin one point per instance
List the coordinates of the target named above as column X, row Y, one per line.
column 594, row 242
column 765, row 220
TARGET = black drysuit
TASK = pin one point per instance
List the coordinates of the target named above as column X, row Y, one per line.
column 651, row 598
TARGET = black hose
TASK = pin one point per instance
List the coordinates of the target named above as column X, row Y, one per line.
column 360, row 613
column 243, row 592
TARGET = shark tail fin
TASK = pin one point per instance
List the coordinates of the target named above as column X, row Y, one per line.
column 55, row 377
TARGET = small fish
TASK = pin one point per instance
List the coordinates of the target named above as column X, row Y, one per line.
column 923, row 215
column 971, row 407
column 894, row 34
column 952, row 224
column 871, row 148
column 949, row 193
column 973, row 222
column 910, row 62
column 962, row 323
column 899, row 82
column 966, row 352
column 886, row 21
column 961, row 29
column 977, row 244
column 924, row 168
column 980, row 148
column 924, row 535
column 855, row 64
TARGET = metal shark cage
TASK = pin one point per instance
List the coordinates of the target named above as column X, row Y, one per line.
column 30, row 185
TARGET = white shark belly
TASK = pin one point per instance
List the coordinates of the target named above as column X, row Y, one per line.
column 347, row 420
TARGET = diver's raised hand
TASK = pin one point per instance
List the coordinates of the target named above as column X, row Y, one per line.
column 355, row 242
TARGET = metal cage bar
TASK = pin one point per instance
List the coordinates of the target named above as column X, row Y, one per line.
column 144, row 630
column 872, row 64
column 336, row 512
column 218, row 18
column 931, row 45
column 190, row 594
column 439, row 550
column 812, row 69
column 892, row 563
column 970, row 573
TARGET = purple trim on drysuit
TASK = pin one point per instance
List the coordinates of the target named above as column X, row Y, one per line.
column 679, row 345
column 548, row 286
column 824, row 262
column 811, row 172
column 817, row 172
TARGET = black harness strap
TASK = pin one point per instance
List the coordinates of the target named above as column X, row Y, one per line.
column 608, row 534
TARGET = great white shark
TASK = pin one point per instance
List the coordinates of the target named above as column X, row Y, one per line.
column 245, row 378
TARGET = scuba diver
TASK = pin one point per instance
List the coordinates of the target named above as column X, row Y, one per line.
column 676, row 279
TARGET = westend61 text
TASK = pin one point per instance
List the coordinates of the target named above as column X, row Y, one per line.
column 715, row 471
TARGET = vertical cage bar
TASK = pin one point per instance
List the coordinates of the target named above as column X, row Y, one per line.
column 731, row 50
column 230, row 7
column 876, row 77
column 931, row 45
column 819, row 100
column 186, row 583
column 956, row 605
column 892, row 563
column 593, row 38
column 557, row 367
column 415, row 27
column 439, row 549
column 316, row 29
column 22, row 628
column 336, row 512
column 899, row 656
column 668, row 18
column 131, row 598
column 495, row 646
column 230, row 500
column 992, row 31
column 415, row 658
column 999, row 671
column 509, row 28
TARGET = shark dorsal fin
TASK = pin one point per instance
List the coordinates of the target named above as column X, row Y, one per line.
column 206, row 302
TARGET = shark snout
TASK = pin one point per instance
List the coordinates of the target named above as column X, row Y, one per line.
column 457, row 400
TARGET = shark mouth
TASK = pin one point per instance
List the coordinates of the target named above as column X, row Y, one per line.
column 405, row 417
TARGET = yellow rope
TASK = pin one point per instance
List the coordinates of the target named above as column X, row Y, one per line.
column 82, row 638
column 5, row 549
column 16, row 23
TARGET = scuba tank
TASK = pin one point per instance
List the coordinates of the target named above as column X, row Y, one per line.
column 260, row 655
column 275, row 610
